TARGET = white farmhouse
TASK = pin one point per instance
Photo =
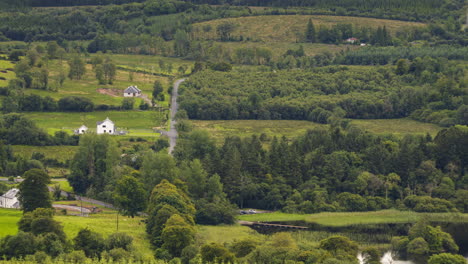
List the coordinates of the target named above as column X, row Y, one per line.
column 83, row 129
column 105, row 127
column 9, row 199
column 132, row 91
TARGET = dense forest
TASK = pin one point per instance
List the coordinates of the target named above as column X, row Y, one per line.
column 434, row 87
column 338, row 169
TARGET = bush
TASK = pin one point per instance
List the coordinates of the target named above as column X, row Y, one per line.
column 447, row 258
column 90, row 242
column 75, row 104
column 119, row 240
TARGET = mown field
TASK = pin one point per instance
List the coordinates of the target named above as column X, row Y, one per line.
column 290, row 28
column 219, row 129
column 138, row 123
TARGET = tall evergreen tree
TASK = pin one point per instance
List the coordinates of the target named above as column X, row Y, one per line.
column 310, row 32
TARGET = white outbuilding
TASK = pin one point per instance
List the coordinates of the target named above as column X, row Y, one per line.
column 10, row 199
column 105, row 127
column 83, row 129
column 132, row 91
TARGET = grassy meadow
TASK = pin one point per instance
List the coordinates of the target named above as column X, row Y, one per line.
column 104, row 223
column 354, row 218
column 290, row 28
column 60, row 153
column 88, row 86
column 138, row 123
column 219, row 129
column 6, row 75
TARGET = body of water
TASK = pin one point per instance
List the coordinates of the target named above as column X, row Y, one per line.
column 382, row 234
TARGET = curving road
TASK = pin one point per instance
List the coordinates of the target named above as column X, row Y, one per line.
column 172, row 133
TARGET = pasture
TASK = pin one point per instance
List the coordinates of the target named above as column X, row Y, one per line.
column 137, row 123
column 353, row 218
column 6, row 73
column 60, row 153
column 103, row 223
column 290, row 28
column 110, row 94
column 219, row 129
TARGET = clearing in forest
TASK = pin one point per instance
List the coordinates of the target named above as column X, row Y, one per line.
column 291, row 28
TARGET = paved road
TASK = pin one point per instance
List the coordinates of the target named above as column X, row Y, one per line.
column 172, row 133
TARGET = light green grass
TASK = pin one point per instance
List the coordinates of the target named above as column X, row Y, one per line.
column 397, row 126
column 353, row 218
column 138, row 123
column 88, row 86
column 8, row 219
column 219, row 129
column 291, row 28
column 103, row 223
column 151, row 63
column 64, row 185
column 225, row 234
column 60, row 153
column 9, row 74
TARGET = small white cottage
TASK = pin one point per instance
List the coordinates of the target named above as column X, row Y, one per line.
column 105, row 127
column 83, row 129
column 132, row 91
column 9, row 199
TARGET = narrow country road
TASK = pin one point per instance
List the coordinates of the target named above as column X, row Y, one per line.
column 172, row 133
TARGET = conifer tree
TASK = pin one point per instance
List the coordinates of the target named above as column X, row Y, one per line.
column 310, row 32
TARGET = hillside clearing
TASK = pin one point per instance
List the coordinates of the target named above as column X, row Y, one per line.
column 290, row 28
column 220, row 129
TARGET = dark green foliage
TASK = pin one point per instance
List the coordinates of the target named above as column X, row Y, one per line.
column 166, row 201
column 33, row 190
column 90, row 242
column 92, row 167
column 428, row 204
column 310, row 34
column 130, row 196
column 336, row 244
column 119, row 240
column 18, row 246
column 75, row 104
column 41, row 222
column 128, row 103
column 157, row 89
column 216, row 253
column 446, row 258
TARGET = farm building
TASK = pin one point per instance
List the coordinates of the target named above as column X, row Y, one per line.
column 105, row 127
column 9, row 199
column 83, row 129
column 352, row 40
column 132, row 91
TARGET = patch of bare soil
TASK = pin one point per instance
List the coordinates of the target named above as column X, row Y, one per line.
column 111, row 92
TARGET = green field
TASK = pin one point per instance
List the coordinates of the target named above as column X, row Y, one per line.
column 111, row 94
column 60, row 153
column 151, row 63
column 138, row 123
column 104, row 223
column 219, row 129
column 290, row 28
column 4, row 65
column 353, row 218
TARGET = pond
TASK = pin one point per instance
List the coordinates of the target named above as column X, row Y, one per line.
column 379, row 234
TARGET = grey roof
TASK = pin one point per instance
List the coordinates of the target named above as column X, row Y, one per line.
column 132, row 89
column 11, row 193
column 100, row 122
